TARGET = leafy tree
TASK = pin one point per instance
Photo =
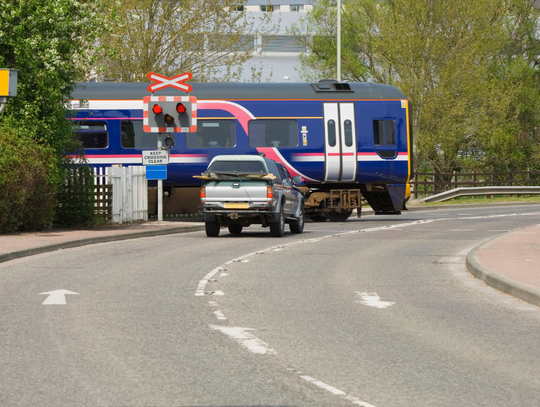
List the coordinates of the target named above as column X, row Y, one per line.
column 205, row 37
column 50, row 42
column 470, row 69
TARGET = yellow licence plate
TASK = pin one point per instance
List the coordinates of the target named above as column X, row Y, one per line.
column 236, row 206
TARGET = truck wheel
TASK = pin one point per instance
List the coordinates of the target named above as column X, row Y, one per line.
column 212, row 228
column 277, row 229
column 297, row 225
column 235, row 228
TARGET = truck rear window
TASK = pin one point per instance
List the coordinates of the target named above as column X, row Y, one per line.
column 241, row 167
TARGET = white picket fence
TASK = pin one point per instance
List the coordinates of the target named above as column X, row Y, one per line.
column 130, row 192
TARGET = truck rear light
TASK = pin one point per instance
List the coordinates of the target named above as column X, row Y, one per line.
column 203, row 194
column 269, row 194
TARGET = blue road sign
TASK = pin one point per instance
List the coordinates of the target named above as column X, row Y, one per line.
column 156, row 172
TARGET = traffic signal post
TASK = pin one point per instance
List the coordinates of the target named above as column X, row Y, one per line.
column 167, row 114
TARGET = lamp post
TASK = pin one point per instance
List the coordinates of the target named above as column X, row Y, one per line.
column 339, row 40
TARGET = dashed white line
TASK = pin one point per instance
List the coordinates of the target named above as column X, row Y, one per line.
column 335, row 391
column 247, row 340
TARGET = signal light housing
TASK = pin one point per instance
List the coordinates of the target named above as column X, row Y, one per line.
column 170, row 114
column 169, row 142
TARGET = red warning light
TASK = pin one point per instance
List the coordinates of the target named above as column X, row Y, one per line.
column 180, row 108
column 157, row 109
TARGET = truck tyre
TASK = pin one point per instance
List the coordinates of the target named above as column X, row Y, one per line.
column 277, row 229
column 212, row 228
column 235, row 228
column 297, row 225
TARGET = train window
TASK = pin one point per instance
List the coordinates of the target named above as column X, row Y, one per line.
column 384, row 132
column 212, row 133
column 347, row 125
column 133, row 135
column 92, row 134
column 273, row 133
column 331, row 129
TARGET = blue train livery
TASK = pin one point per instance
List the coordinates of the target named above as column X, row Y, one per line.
column 350, row 142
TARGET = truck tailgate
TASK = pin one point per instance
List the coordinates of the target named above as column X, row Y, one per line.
column 235, row 191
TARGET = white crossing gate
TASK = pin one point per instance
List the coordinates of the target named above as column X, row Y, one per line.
column 130, row 193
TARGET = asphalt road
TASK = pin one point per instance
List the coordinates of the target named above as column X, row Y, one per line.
column 378, row 311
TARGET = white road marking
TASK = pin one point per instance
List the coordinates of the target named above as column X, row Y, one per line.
column 324, row 386
column 373, row 300
column 219, row 315
column 247, row 340
column 56, row 297
column 335, row 391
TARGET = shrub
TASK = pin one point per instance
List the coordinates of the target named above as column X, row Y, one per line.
column 27, row 192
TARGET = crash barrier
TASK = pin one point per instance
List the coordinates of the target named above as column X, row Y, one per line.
column 427, row 184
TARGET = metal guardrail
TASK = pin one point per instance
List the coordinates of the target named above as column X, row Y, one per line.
column 478, row 191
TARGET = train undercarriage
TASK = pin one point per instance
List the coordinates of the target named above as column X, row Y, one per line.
column 322, row 202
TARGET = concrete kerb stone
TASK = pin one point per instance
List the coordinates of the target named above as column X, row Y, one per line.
column 499, row 282
column 97, row 239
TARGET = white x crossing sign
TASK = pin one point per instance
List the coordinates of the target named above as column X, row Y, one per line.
column 163, row 82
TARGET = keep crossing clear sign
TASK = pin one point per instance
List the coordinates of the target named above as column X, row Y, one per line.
column 155, row 157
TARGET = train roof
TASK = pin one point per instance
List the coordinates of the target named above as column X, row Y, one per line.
column 326, row 90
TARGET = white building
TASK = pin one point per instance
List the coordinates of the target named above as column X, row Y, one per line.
column 280, row 55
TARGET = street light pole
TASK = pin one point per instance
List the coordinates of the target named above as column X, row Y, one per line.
column 339, row 40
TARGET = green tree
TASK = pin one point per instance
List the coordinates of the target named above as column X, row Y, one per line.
column 205, row 37
column 51, row 43
column 469, row 68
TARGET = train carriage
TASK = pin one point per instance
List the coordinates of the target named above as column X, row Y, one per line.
column 347, row 141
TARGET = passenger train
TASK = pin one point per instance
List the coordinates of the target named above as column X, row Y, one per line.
column 348, row 141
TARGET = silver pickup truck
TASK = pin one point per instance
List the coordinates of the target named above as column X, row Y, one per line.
column 240, row 190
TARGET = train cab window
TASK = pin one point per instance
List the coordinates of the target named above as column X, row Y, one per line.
column 212, row 134
column 273, row 133
column 133, row 135
column 331, row 131
column 384, row 132
column 92, row 134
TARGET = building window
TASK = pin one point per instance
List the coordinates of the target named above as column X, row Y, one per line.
column 297, row 7
column 384, row 132
column 212, row 134
column 133, row 135
column 273, row 133
column 270, row 8
column 92, row 134
column 238, row 8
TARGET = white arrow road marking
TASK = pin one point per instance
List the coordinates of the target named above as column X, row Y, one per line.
column 373, row 300
column 247, row 340
column 56, row 297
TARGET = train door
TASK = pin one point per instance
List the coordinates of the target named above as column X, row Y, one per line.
column 340, row 142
